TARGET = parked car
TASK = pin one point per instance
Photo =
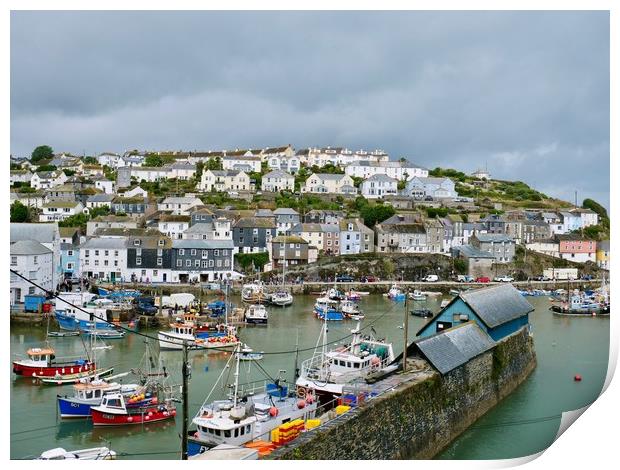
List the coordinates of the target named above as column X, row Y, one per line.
column 430, row 278
column 464, row 278
column 503, row 279
column 483, row 279
column 428, row 198
column 541, row 278
column 370, row 279
column 146, row 305
column 586, row 277
column 344, row 278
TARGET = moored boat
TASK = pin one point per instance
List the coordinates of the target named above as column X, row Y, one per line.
column 281, row 298
column 256, row 314
column 42, row 362
column 417, row 295
column 254, row 293
column 422, row 312
column 113, row 411
column 326, row 308
column 87, row 394
column 94, row 453
column 395, row 293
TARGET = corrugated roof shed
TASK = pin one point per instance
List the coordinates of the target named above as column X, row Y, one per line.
column 497, row 304
column 454, row 347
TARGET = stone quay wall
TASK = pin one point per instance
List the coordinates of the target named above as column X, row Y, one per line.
column 419, row 419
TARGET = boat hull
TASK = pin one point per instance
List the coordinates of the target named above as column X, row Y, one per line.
column 59, row 370
column 148, row 415
column 256, row 321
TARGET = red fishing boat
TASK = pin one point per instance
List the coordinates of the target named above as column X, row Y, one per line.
column 42, row 362
column 113, row 411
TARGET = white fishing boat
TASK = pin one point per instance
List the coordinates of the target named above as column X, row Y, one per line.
column 254, row 293
column 256, row 313
column 281, row 298
column 186, row 332
column 327, row 372
column 94, row 453
column 395, row 293
column 350, row 308
column 417, row 295
column 248, row 354
column 248, row 414
column 324, row 307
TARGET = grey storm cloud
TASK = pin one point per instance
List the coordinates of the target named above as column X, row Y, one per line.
column 526, row 93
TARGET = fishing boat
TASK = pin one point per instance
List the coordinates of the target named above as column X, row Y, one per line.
column 90, row 393
column 577, row 305
column 326, row 308
column 248, row 354
column 395, row 293
column 42, row 362
column 354, row 296
column 350, row 309
column 334, row 294
column 70, row 379
column 104, row 334
column 94, row 453
column 417, row 295
column 327, row 372
column 113, row 411
column 281, row 298
column 73, row 319
column 254, row 293
column 185, row 332
column 256, row 314
column 247, row 414
column 422, row 313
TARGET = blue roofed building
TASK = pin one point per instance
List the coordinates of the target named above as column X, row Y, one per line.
column 498, row 310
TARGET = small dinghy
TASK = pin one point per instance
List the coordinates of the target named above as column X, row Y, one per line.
column 94, row 453
column 248, row 354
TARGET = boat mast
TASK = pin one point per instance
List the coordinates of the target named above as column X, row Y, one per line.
column 238, row 350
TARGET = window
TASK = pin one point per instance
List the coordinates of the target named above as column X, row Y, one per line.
column 13, row 260
column 86, row 262
column 161, row 242
column 193, row 252
column 115, row 252
column 205, row 254
column 219, row 263
column 136, row 242
column 138, row 251
column 204, row 264
column 188, row 263
column 179, row 263
column 160, row 252
column 138, row 261
column 155, row 272
column 181, row 251
column 227, row 433
column 216, row 252
column 96, row 262
column 69, row 252
column 159, row 262
column 115, row 262
column 106, row 253
column 197, row 263
column 210, row 263
column 105, row 262
column 31, row 290
column 226, row 262
column 87, row 253
column 143, row 272
column 224, row 252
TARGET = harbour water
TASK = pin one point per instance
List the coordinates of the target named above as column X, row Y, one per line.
column 524, row 423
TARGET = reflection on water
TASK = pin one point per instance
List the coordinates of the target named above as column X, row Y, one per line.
column 564, row 347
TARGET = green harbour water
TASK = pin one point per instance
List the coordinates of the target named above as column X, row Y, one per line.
column 524, row 423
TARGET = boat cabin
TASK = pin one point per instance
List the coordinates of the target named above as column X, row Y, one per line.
column 220, row 424
column 182, row 328
column 89, row 391
column 41, row 356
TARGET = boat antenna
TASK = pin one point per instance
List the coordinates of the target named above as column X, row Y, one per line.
column 238, row 354
column 296, row 376
column 185, row 399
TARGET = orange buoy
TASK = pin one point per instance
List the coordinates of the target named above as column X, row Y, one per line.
column 301, row 404
column 273, row 411
column 577, row 378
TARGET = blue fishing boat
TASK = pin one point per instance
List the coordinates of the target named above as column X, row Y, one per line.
column 328, row 309
column 91, row 393
column 217, row 308
column 68, row 321
column 102, row 292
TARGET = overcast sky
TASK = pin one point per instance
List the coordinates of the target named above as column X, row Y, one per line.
column 526, row 93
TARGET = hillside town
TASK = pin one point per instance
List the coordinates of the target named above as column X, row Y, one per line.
column 203, row 216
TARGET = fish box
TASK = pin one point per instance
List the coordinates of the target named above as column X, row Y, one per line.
column 341, row 409
column 312, row 423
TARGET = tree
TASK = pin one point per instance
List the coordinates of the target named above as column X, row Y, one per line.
column 47, row 168
column 257, row 177
column 401, row 185
column 214, row 164
column 599, row 209
column 69, row 172
column 90, row 160
column 97, row 211
column 199, row 167
column 153, row 159
column 19, row 212
column 376, row 214
column 460, row 266
column 77, row 220
column 250, row 261
column 42, row 152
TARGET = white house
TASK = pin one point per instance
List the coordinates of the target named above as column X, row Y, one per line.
column 35, row 200
column 338, row 156
column 105, row 185
column 355, row 237
column 135, row 192
column 181, row 170
column 437, row 188
column 173, row 225
column 60, row 210
column 108, row 159
column 110, row 221
column 130, row 160
column 404, row 170
column 224, row 180
column 20, row 176
column 149, row 173
column 100, row 200
column 248, row 164
column 104, row 258
column 179, row 205
column 278, row 180
column 481, row 174
column 290, row 164
column 329, row 183
column 588, row 217
column 46, row 234
column 378, row 186
column 34, row 261
column 47, row 179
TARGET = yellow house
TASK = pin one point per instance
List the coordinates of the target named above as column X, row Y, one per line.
column 602, row 254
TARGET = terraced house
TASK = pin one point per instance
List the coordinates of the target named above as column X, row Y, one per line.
column 104, row 258
column 324, row 183
column 404, row 236
column 291, row 251
column 149, row 257
column 355, row 237
column 60, row 210
column 202, row 260
column 253, row 234
column 225, row 180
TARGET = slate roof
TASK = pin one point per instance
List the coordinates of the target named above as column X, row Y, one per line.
column 401, row 228
column 28, row 247
column 285, row 211
column 472, row 252
column 493, row 237
column 61, row 204
column 603, row 245
column 255, row 222
column 289, row 239
column 68, row 232
column 101, row 198
column 497, row 304
column 454, row 347
column 270, row 150
column 278, row 174
column 203, row 244
column 105, row 243
column 43, row 233
column 380, row 177
column 330, row 176
column 202, row 227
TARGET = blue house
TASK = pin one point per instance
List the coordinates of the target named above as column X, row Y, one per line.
column 69, row 252
column 498, row 310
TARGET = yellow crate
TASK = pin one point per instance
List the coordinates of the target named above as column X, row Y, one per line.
column 342, row 409
column 275, row 435
column 313, row 423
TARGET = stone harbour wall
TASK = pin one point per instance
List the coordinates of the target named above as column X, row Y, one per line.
column 420, row 418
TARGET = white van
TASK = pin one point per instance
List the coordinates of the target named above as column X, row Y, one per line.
column 430, row 278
